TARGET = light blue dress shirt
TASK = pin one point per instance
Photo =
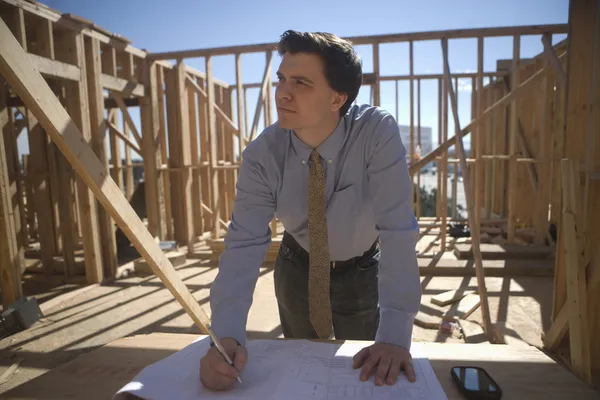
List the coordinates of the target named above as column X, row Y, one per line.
column 368, row 195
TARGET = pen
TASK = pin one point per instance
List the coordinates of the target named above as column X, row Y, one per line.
column 219, row 347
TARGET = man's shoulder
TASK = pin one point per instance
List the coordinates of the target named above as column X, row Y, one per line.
column 368, row 113
column 270, row 142
column 371, row 122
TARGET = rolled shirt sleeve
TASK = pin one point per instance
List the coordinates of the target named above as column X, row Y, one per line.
column 246, row 243
column 390, row 189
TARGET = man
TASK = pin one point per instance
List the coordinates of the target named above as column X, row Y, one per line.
column 335, row 175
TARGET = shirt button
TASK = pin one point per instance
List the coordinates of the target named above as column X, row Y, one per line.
column 330, row 161
column 303, row 161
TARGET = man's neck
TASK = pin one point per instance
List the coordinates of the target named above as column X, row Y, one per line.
column 314, row 136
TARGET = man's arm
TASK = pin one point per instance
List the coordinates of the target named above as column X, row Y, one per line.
column 247, row 241
column 390, row 189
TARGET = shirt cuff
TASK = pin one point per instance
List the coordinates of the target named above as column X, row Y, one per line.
column 224, row 325
column 395, row 327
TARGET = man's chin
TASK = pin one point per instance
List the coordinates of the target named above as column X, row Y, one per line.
column 286, row 123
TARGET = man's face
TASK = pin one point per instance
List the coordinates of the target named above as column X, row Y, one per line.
column 303, row 97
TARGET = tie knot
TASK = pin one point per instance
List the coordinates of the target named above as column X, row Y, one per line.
column 315, row 156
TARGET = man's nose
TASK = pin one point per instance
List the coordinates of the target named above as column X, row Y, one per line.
column 282, row 92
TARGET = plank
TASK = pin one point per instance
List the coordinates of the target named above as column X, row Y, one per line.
column 449, row 297
column 122, row 86
column 464, row 308
column 360, row 40
column 126, row 117
column 491, row 251
column 576, row 282
column 261, row 96
column 512, row 164
column 212, row 137
column 37, row 95
column 485, row 311
column 93, row 66
column 78, row 109
column 162, row 133
column 150, row 124
column 10, row 268
column 40, row 182
column 129, row 143
column 183, row 122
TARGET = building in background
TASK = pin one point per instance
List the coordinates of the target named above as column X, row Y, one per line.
column 426, row 140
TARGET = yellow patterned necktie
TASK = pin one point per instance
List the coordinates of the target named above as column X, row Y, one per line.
column 319, row 301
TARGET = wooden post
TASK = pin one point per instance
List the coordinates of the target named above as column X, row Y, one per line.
column 10, row 259
column 93, row 66
column 240, row 106
column 481, row 129
column 482, row 291
column 160, row 82
column 419, row 144
column 411, row 150
column 40, row 182
column 439, row 203
column 185, row 152
column 77, row 97
column 376, row 84
column 154, row 185
column 194, row 162
column 576, row 282
column 212, row 130
column 444, row 167
column 205, row 172
column 512, row 166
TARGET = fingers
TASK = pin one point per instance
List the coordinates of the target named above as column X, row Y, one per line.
column 382, row 370
column 239, row 358
column 409, row 370
column 394, row 372
column 218, row 362
column 368, row 366
column 360, row 357
column 216, row 373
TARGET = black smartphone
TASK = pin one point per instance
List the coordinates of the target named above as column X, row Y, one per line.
column 475, row 383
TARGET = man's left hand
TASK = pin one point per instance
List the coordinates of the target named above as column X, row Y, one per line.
column 386, row 361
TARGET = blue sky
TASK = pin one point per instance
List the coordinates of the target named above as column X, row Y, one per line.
column 185, row 24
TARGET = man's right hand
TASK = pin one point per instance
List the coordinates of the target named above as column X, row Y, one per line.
column 215, row 371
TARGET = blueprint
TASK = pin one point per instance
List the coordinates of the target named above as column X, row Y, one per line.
column 282, row 369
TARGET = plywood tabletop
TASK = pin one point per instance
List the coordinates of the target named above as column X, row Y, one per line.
column 521, row 372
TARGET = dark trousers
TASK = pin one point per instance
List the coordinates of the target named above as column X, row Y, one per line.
column 354, row 294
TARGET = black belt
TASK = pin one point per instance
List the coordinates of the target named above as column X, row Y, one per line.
column 289, row 241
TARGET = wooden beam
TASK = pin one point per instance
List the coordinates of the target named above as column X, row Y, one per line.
column 550, row 54
column 126, row 139
column 155, row 188
column 576, row 283
column 360, row 40
column 55, row 69
column 10, row 260
column 261, row 96
column 212, row 134
column 126, row 117
column 185, row 177
column 512, row 166
column 37, row 95
column 240, row 106
column 482, row 291
column 78, row 108
column 93, row 64
column 122, row 86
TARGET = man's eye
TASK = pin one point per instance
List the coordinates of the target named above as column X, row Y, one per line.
column 299, row 82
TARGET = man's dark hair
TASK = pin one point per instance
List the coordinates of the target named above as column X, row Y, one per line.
column 343, row 68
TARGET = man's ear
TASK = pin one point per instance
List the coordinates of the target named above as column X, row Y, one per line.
column 339, row 99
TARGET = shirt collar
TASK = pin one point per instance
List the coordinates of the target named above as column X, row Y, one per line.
column 328, row 150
